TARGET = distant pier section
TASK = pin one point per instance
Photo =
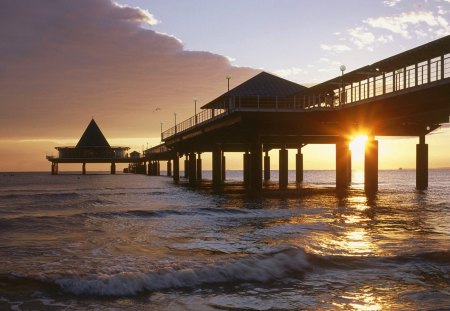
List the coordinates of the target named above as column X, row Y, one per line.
column 93, row 148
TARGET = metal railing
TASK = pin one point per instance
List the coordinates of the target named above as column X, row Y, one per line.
column 157, row 149
column 377, row 83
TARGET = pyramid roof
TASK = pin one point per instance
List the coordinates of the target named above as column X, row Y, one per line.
column 92, row 137
column 263, row 84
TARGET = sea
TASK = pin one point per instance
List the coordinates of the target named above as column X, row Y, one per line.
column 135, row 242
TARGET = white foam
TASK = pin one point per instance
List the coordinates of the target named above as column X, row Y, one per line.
column 260, row 269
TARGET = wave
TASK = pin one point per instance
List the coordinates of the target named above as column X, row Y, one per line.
column 291, row 262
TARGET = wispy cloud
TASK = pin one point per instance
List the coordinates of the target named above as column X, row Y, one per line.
column 403, row 23
column 338, row 48
column 391, row 3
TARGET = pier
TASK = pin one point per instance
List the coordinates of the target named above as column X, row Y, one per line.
column 407, row 94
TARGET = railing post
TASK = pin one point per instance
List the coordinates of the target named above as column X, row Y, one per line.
column 428, row 71
column 351, row 92
column 258, row 102
column 384, row 83
column 442, row 67
column 416, row 74
column 359, row 90
column 404, row 78
column 295, row 102
column 304, row 102
column 368, row 87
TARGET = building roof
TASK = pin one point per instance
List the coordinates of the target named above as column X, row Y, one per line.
column 92, row 137
column 263, row 84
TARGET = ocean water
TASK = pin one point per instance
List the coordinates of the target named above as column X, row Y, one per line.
column 134, row 242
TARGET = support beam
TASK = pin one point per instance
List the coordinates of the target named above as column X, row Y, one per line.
column 186, row 167
column 342, row 153
column 299, row 166
column 176, row 169
column 256, row 167
column 224, row 168
column 283, row 169
column 247, row 170
column 169, row 168
column 192, row 169
column 422, row 164
column 158, row 168
column 155, row 168
column 217, row 167
column 113, row 168
column 349, row 166
column 83, row 168
column 266, row 166
column 150, row 168
column 199, row 167
column 371, row 166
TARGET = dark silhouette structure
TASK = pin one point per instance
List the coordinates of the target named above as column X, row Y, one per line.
column 91, row 148
column 405, row 95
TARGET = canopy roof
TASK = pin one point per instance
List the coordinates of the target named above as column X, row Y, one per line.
column 419, row 54
column 263, row 84
column 92, row 137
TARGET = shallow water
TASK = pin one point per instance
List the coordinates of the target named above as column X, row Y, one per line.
column 127, row 242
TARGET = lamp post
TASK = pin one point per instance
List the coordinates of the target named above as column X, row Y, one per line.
column 341, row 98
column 228, row 77
column 161, row 131
column 175, row 122
column 195, row 110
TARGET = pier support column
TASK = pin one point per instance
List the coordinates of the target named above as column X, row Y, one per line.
column 83, row 168
column 155, row 168
column 422, row 164
column 169, row 168
column 53, row 168
column 149, row 168
column 113, row 168
column 158, row 168
column 56, row 169
column 342, row 153
column 192, row 169
column 217, row 167
column 299, row 166
column 371, row 166
column 349, row 166
column 186, row 167
column 283, row 168
column 176, row 169
column 246, row 170
column 199, row 167
column 224, row 168
column 256, row 167
column 266, row 166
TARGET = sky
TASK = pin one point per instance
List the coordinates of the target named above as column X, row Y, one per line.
column 132, row 64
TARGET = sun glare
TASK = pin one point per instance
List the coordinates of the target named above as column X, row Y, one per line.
column 357, row 144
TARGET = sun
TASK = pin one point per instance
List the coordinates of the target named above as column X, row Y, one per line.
column 358, row 143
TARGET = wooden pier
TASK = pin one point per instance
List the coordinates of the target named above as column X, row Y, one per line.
column 405, row 95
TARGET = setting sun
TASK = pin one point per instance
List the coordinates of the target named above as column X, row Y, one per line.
column 357, row 144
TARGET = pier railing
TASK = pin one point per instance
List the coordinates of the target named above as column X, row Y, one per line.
column 375, row 83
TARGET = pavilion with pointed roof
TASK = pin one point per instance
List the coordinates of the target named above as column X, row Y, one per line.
column 91, row 148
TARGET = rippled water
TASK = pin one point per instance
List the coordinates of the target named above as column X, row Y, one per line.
column 127, row 242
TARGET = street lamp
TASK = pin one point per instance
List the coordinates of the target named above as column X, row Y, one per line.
column 341, row 98
column 228, row 77
column 161, row 131
column 175, row 122
column 195, row 109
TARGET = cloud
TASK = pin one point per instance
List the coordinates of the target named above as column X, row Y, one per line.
column 391, row 3
column 401, row 24
column 338, row 48
column 63, row 62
